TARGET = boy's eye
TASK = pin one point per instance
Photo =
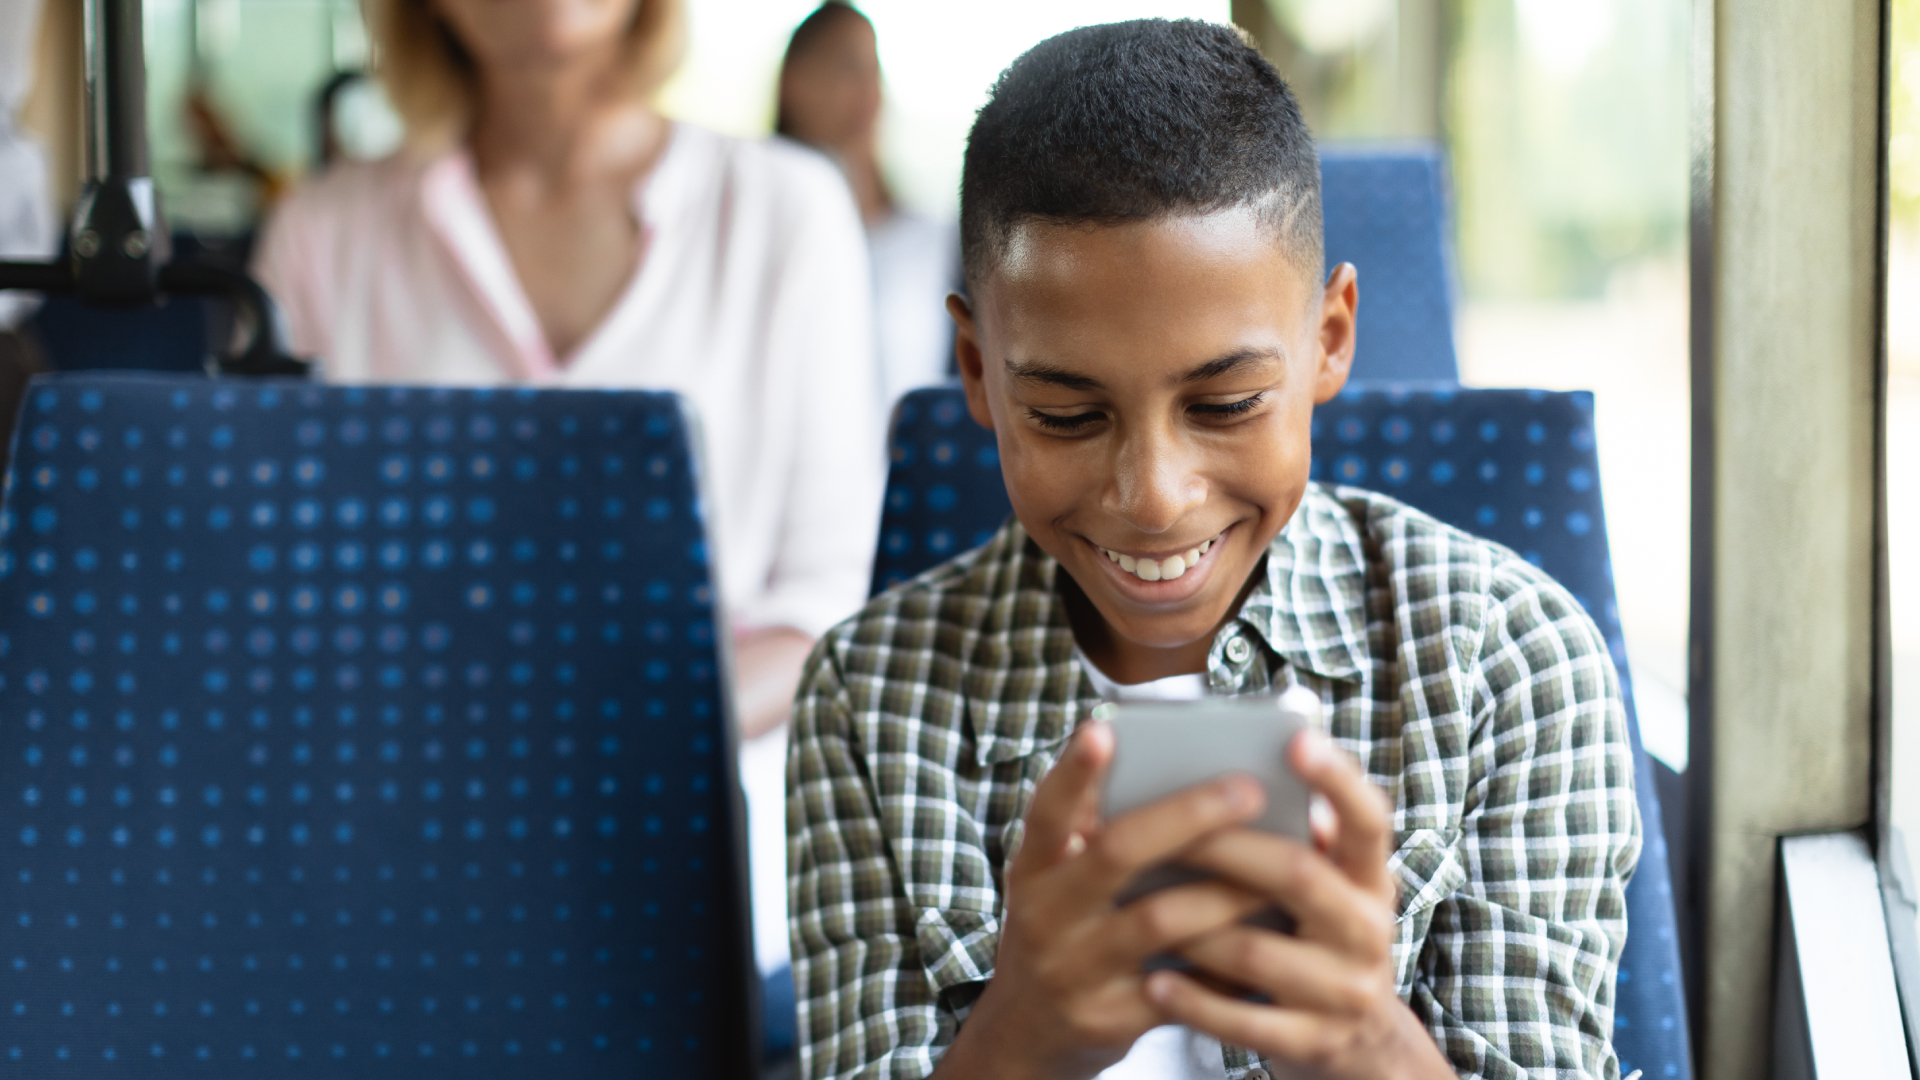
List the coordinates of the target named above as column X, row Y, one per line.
column 1075, row 422
column 1231, row 409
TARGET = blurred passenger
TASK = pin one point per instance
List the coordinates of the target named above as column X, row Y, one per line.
column 352, row 120
column 546, row 225
column 224, row 150
column 326, row 106
column 27, row 229
column 830, row 99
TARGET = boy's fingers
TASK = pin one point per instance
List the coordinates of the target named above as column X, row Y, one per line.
column 1155, row 833
column 1294, row 973
column 1281, row 1034
column 1164, row 920
column 1362, row 842
column 1066, row 802
column 1329, row 906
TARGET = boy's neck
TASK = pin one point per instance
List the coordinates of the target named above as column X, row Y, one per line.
column 1130, row 663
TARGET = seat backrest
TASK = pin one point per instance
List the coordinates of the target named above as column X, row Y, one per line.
column 177, row 335
column 369, row 730
column 1515, row 466
column 75, row 337
column 945, row 494
column 1385, row 211
column 1519, row 467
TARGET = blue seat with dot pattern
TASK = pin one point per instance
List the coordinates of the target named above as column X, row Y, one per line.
column 1385, row 211
column 1515, row 466
column 363, row 731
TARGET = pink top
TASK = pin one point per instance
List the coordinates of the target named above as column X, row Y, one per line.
column 751, row 299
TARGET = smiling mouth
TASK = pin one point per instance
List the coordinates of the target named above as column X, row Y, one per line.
column 1167, row 569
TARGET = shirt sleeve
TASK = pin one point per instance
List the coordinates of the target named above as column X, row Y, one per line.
column 821, row 327
column 866, row 1005
column 1515, row 977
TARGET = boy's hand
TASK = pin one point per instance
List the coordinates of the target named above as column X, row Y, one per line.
column 1067, row 997
column 1334, row 1007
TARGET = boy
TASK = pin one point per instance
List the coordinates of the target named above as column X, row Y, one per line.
column 1147, row 335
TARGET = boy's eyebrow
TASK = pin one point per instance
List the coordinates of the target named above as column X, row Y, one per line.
column 1041, row 371
column 1213, row 369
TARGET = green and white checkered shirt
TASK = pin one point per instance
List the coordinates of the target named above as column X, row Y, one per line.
column 1473, row 689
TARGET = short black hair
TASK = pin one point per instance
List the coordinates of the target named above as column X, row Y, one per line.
column 1134, row 120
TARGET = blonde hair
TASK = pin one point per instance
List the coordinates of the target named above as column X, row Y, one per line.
column 432, row 79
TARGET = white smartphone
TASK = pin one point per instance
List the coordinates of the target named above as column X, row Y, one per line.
column 1161, row 747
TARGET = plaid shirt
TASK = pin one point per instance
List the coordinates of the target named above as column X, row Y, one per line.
column 1473, row 689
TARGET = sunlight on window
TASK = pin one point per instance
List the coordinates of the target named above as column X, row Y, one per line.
column 1561, row 35
column 1568, row 135
column 1332, row 26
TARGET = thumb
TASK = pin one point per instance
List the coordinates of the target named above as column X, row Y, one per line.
column 1067, row 803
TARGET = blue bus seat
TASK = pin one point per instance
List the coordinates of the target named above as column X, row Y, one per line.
column 1385, row 211
column 1515, row 466
column 171, row 336
column 370, row 731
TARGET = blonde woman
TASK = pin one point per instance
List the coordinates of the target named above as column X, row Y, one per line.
column 545, row 224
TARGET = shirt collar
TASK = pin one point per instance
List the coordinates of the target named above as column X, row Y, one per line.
column 1311, row 606
column 1024, row 686
column 455, row 209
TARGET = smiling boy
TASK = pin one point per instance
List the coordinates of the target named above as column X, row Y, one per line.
column 1150, row 328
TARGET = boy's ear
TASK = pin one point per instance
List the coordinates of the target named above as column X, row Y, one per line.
column 1339, row 307
column 970, row 360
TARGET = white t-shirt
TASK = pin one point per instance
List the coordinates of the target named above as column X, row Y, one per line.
column 1170, row 1052
column 751, row 299
column 916, row 261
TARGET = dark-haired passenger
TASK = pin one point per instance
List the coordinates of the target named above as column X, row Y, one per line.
column 830, row 99
column 1150, row 328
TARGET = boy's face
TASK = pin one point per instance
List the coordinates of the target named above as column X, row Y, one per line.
column 1151, row 387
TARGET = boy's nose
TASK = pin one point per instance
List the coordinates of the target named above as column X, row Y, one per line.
column 1154, row 483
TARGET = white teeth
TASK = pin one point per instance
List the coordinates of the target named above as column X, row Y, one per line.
column 1167, row 569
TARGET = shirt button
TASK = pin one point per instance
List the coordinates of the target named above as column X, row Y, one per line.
column 1254, row 1074
column 1237, row 651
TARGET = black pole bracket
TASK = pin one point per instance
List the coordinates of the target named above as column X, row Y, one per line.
column 120, row 253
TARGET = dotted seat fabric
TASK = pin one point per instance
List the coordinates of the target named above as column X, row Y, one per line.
column 1515, row 466
column 363, row 731
column 1385, row 211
